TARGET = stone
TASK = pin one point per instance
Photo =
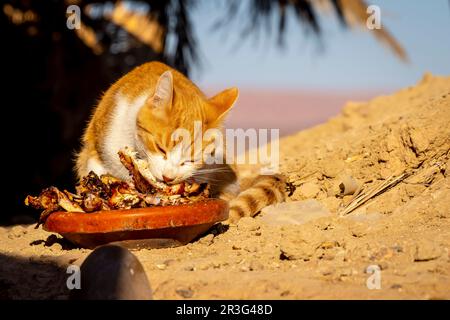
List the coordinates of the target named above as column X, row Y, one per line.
column 246, row 224
column 185, row 292
column 296, row 251
column 347, row 185
column 206, row 240
column 161, row 266
column 332, row 203
column 112, row 272
column 309, row 190
column 332, row 170
column 358, row 230
column 256, row 266
column 427, row 250
column 17, row 232
column 293, row 213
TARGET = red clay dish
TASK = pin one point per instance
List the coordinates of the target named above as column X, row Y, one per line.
column 136, row 228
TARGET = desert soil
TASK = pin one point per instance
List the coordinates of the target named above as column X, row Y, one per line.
column 404, row 231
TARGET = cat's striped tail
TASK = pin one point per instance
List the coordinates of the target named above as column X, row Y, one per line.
column 263, row 191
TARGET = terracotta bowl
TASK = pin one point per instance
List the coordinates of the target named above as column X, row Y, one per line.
column 152, row 227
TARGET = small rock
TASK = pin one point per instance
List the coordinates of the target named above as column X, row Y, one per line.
column 383, row 265
column 426, row 251
column 359, row 230
column 326, row 271
column 205, row 265
column 248, row 224
column 189, row 268
column 251, row 248
column 309, row 190
column 328, row 255
column 244, row 268
column 256, row 265
column 347, row 185
column 285, row 293
column 295, row 251
column 332, row 169
column 185, row 292
column 345, row 272
column 207, row 240
column 56, row 247
column 17, row 232
column 161, row 266
column 111, row 272
column 340, row 255
column 329, row 244
column 331, row 203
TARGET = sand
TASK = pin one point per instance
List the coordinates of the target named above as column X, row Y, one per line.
column 404, row 232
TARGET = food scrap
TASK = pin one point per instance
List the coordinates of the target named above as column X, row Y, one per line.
column 105, row 192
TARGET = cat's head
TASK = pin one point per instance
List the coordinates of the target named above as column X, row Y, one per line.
column 177, row 103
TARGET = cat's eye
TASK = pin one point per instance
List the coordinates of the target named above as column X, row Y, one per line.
column 187, row 162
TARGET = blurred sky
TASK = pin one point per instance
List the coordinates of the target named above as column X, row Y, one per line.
column 343, row 59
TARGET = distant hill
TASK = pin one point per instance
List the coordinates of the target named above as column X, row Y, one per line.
column 290, row 111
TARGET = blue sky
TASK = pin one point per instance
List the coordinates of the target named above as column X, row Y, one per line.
column 344, row 59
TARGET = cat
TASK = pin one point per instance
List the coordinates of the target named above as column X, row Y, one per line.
column 141, row 110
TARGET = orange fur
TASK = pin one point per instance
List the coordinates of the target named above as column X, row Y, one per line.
column 142, row 109
column 189, row 104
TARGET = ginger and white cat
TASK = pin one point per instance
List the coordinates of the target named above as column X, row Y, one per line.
column 142, row 110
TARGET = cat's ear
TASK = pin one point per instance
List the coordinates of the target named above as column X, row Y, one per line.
column 221, row 104
column 161, row 101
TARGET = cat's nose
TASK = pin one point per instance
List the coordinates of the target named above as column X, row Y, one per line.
column 166, row 179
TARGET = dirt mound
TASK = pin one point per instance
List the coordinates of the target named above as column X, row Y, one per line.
column 381, row 168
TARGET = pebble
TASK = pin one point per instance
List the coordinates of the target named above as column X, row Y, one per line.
column 161, row 266
column 333, row 169
column 326, row 271
column 331, row 203
column 189, row 268
column 112, row 272
column 359, row 230
column 17, row 232
column 256, row 265
column 207, row 240
column 248, row 224
column 347, row 185
column 426, row 251
column 309, row 190
column 251, row 248
column 56, row 247
column 292, row 251
column 185, row 292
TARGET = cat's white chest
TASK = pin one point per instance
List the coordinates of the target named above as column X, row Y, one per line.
column 120, row 133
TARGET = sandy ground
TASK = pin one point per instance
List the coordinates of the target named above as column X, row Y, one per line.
column 405, row 230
